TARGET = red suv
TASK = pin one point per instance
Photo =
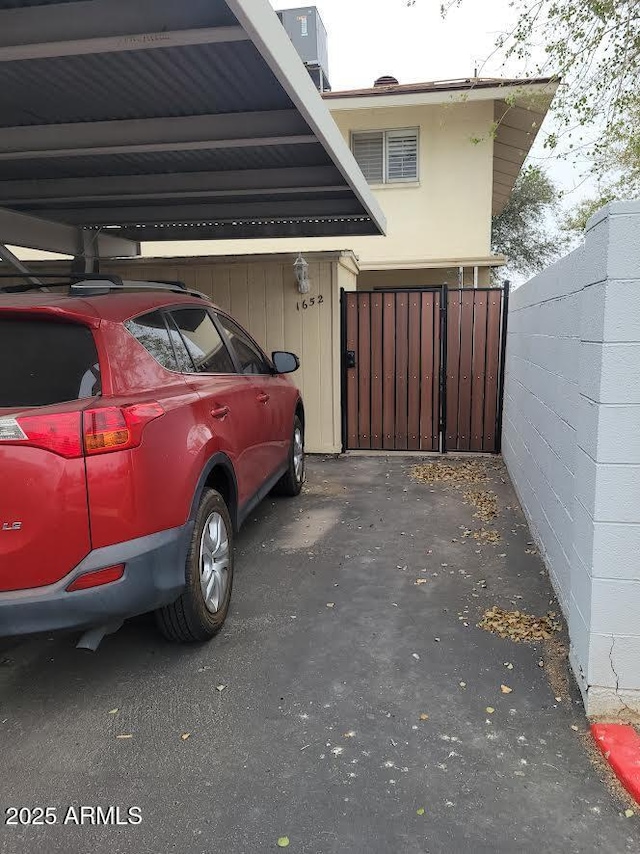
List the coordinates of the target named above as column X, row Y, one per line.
column 139, row 425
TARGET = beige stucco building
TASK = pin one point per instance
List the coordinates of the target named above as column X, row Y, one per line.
column 441, row 159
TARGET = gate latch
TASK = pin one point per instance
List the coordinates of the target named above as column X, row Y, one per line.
column 351, row 358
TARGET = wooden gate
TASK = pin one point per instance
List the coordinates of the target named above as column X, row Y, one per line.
column 423, row 370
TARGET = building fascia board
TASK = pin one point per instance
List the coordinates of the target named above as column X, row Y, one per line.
column 342, row 256
column 421, row 99
column 434, row 263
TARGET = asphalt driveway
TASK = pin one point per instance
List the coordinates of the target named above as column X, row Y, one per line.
column 344, row 706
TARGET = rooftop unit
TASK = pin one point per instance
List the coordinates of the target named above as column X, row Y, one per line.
column 307, row 32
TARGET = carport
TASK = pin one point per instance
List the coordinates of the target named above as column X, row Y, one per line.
column 123, row 121
column 131, row 120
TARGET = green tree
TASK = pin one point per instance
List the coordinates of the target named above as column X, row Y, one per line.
column 593, row 46
column 577, row 219
column 521, row 231
column 619, row 174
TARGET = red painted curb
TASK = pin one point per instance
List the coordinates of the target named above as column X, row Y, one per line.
column 620, row 745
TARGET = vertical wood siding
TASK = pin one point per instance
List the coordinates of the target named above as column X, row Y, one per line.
column 262, row 295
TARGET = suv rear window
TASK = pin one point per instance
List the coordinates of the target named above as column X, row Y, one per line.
column 205, row 346
column 151, row 331
column 44, row 362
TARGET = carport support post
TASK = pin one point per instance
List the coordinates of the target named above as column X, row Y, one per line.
column 88, row 258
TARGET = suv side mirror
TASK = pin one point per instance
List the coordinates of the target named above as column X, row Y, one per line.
column 285, row 363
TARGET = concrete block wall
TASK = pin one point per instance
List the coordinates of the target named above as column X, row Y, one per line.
column 571, row 442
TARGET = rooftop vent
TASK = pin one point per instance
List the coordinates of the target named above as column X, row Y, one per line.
column 386, row 80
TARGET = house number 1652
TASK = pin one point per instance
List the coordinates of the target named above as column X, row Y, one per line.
column 304, row 304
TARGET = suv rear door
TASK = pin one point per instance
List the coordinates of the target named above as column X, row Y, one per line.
column 273, row 393
column 49, row 373
column 229, row 400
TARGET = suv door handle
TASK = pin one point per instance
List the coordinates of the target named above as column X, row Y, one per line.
column 220, row 411
column 263, row 398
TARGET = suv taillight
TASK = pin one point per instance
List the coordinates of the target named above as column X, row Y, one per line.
column 72, row 434
column 59, row 433
column 117, row 428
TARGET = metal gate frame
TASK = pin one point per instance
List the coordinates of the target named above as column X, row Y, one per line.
column 444, row 292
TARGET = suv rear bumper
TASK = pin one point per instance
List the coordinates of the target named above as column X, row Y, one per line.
column 154, row 576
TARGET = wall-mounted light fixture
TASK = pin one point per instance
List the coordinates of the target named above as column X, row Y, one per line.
column 301, row 269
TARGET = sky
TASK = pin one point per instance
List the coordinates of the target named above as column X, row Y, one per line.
column 369, row 38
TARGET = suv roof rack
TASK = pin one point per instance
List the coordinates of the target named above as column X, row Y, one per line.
column 92, row 284
column 66, row 280
column 99, row 288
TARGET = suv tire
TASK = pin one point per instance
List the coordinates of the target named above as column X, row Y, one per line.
column 200, row 612
column 290, row 484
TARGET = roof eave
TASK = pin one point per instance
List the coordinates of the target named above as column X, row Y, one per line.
column 518, row 123
column 366, row 100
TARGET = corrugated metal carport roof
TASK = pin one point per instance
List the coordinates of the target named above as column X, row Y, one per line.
column 157, row 119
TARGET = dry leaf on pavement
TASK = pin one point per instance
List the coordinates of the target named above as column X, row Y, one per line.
column 484, row 536
column 505, row 689
column 485, row 502
column 518, row 626
column 455, row 474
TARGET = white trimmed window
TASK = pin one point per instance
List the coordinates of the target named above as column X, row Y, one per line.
column 387, row 157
